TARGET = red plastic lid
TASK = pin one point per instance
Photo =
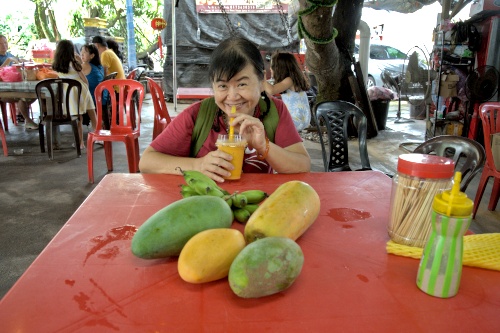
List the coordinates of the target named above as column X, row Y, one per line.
column 426, row 166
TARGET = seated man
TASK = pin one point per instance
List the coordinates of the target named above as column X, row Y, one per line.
column 7, row 59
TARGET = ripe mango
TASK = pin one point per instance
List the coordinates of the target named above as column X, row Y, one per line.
column 265, row 267
column 288, row 212
column 208, row 255
column 166, row 232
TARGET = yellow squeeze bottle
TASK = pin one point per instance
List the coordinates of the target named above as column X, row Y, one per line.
column 440, row 267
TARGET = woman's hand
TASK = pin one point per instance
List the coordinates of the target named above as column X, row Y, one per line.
column 216, row 165
column 252, row 130
column 78, row 58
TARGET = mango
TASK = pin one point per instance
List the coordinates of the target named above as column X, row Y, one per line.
column 288, row 212
column 166, row 232
column 265, row 267
column 208, row 255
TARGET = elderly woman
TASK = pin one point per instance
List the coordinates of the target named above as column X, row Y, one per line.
column 237, row 74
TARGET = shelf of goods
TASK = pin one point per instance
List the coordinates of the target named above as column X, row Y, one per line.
column 450, row 60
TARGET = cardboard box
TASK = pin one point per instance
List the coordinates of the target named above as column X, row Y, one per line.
column 449, row 85
column 454, row 128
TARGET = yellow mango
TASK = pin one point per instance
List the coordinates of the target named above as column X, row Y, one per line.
column 287, row 212
column 208, row 255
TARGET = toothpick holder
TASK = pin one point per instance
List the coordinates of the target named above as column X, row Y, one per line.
column 420, row 177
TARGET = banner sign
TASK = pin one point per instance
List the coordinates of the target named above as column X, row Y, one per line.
column 242, row 6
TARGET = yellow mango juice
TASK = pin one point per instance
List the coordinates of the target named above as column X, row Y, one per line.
column 234, row 146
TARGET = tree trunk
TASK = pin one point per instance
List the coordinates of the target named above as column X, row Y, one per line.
column 42, row 23
column 347, row 16
column 38, row 24
column 53, row 25
column 331, row 62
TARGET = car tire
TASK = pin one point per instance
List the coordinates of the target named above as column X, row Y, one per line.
column 370, row 82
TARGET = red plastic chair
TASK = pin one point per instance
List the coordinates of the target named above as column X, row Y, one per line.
column 4, row 141
column 135, row 74
column 131, row 74
column 161, row 116
column 122, row 127
column 13, row 113
column 490, row 116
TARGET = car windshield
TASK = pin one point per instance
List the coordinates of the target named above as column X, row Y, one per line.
column 382, row 52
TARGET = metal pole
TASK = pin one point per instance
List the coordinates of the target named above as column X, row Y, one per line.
column 174, row 58
column 364, row 48
column 131, row 55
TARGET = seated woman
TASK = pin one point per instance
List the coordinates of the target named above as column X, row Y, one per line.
column 236, row 71
column 66, row 66
column 292, row 84
column 93, row 71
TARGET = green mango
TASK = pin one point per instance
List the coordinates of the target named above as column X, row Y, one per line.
column 265, row 267
column 166, row 232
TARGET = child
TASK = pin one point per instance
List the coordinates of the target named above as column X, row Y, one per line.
column 292, row 84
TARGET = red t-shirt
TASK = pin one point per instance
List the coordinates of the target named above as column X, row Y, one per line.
column 176, row 138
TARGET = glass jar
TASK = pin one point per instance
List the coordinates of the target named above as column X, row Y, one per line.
column 420, row 177
column 31, row 71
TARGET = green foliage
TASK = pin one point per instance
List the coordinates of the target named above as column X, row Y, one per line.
column 19, row 30
column 115, row 14
column 76, row 26
column 37, row 24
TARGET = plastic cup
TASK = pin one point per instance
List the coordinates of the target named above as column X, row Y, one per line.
column 234, row 146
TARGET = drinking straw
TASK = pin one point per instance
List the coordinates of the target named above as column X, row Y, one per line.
column 231, row 128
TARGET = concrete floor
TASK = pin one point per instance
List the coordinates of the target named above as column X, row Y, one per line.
column 38, row 195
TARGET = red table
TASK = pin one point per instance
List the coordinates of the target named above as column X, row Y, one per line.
column 194, row 93
column 87, row 280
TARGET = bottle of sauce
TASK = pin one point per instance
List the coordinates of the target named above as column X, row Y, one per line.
column 440, row 267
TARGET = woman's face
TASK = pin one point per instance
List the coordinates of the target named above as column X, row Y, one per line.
column 86, row 56
column 242, row 91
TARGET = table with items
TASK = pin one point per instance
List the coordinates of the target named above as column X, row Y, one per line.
column 88, row 280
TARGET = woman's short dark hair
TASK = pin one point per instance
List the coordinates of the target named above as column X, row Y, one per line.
column 231, row 56
column 91, row 49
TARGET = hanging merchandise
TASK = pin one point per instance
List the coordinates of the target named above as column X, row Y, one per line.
column 159, row 24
